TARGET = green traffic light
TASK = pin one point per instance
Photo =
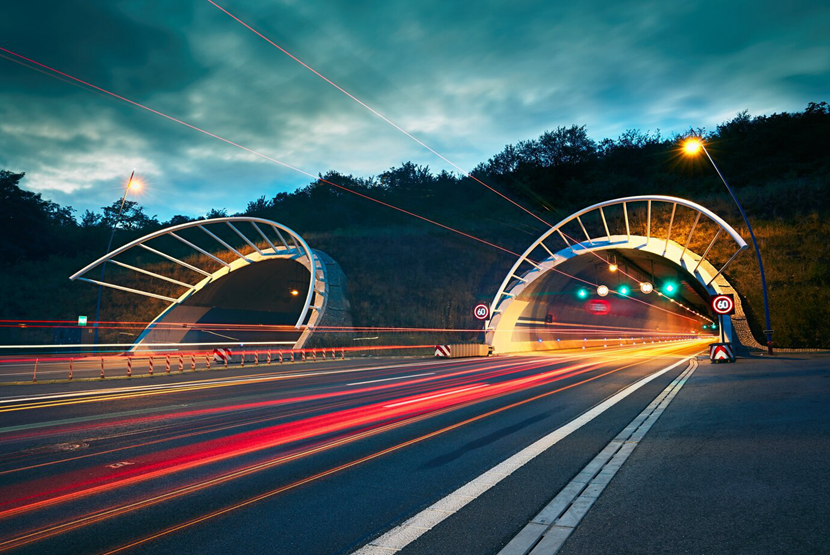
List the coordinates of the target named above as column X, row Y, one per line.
column 624, row 290
column 582, row 293
column 669, row 288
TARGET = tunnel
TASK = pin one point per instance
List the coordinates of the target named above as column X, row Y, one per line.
column 558, row 311
column 249, row 281
column 551, row 298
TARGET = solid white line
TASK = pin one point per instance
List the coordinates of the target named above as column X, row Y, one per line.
column 388, row 379
column 402, row 535
column 433, row 396
column 551, row 527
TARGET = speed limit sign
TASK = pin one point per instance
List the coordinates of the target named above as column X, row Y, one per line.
column 481, row 311
column 723, row 305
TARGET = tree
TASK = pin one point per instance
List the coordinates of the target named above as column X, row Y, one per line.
column 30, row 227
column 132, row 216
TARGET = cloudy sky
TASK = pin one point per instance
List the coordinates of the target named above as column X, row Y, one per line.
column 465, row 77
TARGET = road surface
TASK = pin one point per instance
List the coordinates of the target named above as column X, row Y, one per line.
column 316, row 458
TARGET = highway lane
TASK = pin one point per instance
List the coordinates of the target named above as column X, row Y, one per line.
column 318, row 461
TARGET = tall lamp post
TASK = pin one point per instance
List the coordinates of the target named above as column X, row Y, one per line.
column 694, row 146
column 130, row 185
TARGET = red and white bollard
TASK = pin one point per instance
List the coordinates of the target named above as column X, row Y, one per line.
column 102, row 368
column 256, row 358
column 150, row 364
column 324, row 354
column 302, row 355
column 193, row 362
column 70, row 368
column 279, row 356
column 333, row 354
column 167, row 364
column 268, row 355
column 242, row 359
column 342, row 354
column 292, row 355
column 207, row 362
column 314, row 354
column 226, row 360
column 181, row 363
column 129, row 367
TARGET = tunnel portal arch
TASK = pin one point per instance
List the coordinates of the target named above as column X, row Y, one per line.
column 263, row 248
column 512, row 299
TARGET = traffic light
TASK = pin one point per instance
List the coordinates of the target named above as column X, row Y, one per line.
column 582, row 294
column 624, row 290
column 669, row 288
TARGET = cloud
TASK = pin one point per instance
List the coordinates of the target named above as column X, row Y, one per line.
column 467, row 78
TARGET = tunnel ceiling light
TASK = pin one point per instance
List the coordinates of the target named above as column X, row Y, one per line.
column 294, row 292
column 646, row 287
column 612, row 267
column 602, row 290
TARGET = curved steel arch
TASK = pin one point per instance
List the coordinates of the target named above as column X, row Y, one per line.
column 513, row 283
column 278, row 247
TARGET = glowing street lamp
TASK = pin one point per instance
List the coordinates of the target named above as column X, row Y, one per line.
column 692, row 147
column 612, row 267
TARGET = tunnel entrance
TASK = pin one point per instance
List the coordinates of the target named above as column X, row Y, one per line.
column 558, row 311
column 257, row 303
column 229, row 281
column 552, row 297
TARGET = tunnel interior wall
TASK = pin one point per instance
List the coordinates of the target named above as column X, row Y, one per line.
column 548, row 313
column 232, row 307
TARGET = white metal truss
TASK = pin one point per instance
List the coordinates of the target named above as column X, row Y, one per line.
column 281, row 241
column 514, row 282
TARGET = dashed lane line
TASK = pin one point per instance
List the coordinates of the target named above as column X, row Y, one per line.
column 402, row 535
column 548, row 531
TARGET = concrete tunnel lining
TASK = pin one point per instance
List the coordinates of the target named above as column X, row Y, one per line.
column 519, row 310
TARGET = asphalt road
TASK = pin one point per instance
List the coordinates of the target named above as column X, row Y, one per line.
column 737, row 464
column 314, row 458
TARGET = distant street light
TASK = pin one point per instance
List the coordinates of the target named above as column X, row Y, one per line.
column 130, row 185
column 695, row 145
column 602, row 290
column 646, row 287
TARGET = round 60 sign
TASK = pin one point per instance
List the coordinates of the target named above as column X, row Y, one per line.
column 481, row 311
column 723, row 304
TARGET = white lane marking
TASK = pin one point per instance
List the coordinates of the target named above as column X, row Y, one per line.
column 434, row 396
column 547, row 532
column 389, row 379
column 402, row 535
column 48, row 396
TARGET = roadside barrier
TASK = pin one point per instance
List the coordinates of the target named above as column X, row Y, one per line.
column 167, row 364
column 150, row 364
column 129, row 367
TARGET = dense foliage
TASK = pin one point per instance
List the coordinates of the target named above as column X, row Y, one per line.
column 779, row 164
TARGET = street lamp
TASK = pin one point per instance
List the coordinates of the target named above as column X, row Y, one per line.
column 130, row 185
column 695, row 145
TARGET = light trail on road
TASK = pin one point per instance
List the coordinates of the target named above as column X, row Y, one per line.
column 237, row 440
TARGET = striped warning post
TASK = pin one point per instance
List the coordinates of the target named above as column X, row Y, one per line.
column 442, row 351
column 150, row 365
column 129, row 367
